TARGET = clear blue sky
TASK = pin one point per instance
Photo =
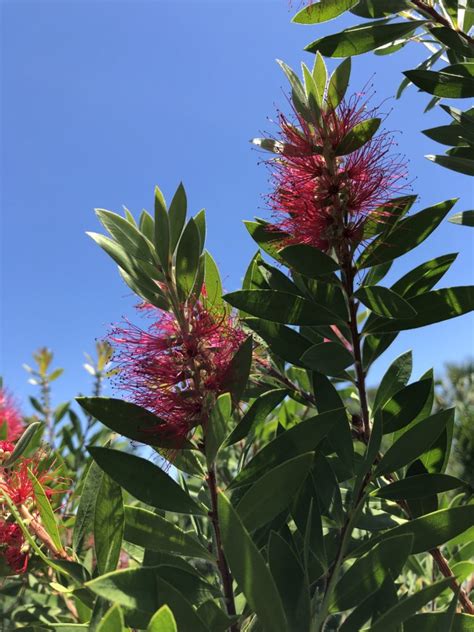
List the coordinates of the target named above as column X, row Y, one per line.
column 103, row 100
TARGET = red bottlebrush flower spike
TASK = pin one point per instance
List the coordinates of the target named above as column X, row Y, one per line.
column 15, row 481
column 323, row 204
column 13, row 554
column 170, row 372
column 10, row 416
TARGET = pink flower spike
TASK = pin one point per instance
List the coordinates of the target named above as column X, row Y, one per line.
column 10, row 416
column 171, row 372
column 322, row 199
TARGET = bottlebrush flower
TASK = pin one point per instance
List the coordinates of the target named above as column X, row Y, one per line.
column 172, row 368
column 13, row 552
column 322, row 199
column 15, row 481
column 10, row 416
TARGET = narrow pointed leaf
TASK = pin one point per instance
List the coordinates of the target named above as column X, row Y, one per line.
column 419, row 486
column 112, row 620
column 307, row 260
column 322, row 11
column 358, row 136
column 48, row 519
column 162, row 230
column 299, row 439
column 145, row 481
column 250, row 570
column 151, row 531
column 177, row 216
column 187, row 258
column 384, row 302
column 128, row 420
column 407, row 234
column 256, row 414
column 329, row 358
column 162, row 621
column 273, row 493
column 368, row 573
column 408, row 606
column 413, row 442
column 108, row 525
column 360, row 39
column 281, row 307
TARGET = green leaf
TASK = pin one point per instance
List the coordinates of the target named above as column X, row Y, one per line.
column 162, row 230
column 358, row 136
column 361, row 39
column 23, row 442
column 291, row 583
column 147, row 225
column 338, row 83
column 108, row 525
column 446, row 134
column 127, row 236
column 408, row 606
column 127, row 419
column 465, row 217
column 237, row 372
column 162, row 621
column 256, row 414
column 200, row 220
column 403, row 407
column 177, row 216
column 147, row 588
column 423, row 277
column 329, row 358
column 407, row 234
column 217, row 425
column 112, row 620
column 249, row 570
column 322, row 11
column 442, row 84
column 320, row 75
column 272, row 494
column 431, row 307
column 268, row 238
column 368, row 573
column 145, row 481
column 413, row 442
column 213, row 284
column 284, row 341
column 307, row 260
column 395, row 378
column 187, row 258
column 436, row 528
column 281, row 307
column 387, row 216
column 461, row 165
column 377, row 9
column 418, row 486
column 151, row 531
column 435, row 622
column 48, row 519
column 84, row 522
column 299, row 439
column 384, row 302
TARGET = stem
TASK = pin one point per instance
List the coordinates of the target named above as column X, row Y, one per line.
column 222, row 565
column 445, row 570
column 46, row 402
column 42, row 535
column 348, row 282
column 439, row 19
column 333, row 576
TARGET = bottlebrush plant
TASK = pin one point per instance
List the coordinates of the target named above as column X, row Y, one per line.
column 246, row 482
